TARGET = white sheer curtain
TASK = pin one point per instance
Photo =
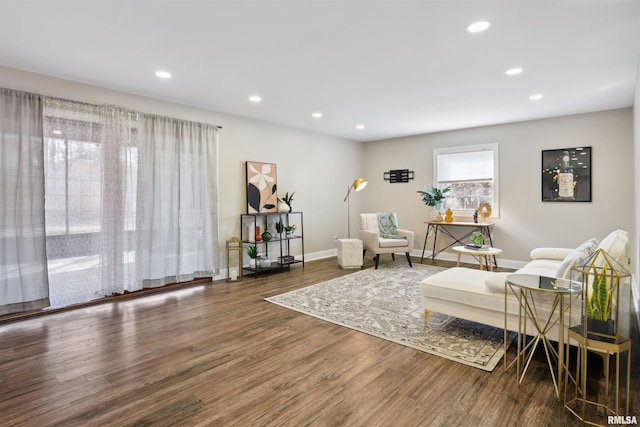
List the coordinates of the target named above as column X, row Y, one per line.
column 23, row 264
column 131, row 200
column 178, row 189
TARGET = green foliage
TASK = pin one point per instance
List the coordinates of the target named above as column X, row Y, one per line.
column 252, row 251
column 478, row 238
column 433, row 196
column 287, row 198
column 599, row 304
column 290, row 227
column 279, row 227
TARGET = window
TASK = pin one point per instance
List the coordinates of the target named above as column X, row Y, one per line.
column 472, row 173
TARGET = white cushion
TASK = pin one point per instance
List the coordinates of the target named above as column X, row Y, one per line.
column 550, row 253
column 575, row 257
column 495, row 282
column 616, row 246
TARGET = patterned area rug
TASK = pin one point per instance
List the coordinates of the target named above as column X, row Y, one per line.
column 387, row 303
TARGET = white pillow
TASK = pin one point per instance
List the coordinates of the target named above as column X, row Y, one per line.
column 616, row 246
column 575, row 257
column 495, row 282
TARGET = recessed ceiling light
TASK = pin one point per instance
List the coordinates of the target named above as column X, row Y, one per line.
column 535, row 97
column 513, row 71
column 359, row 127
column 163, row 74
column 316, row 115
column 478, row 27
column 255, row 98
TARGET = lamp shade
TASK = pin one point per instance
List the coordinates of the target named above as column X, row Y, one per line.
column 359, row 184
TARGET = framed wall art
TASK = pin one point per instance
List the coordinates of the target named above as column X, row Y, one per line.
column 262, row 187
column 566, row 175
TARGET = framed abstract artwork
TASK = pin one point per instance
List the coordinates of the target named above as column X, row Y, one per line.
column 262, row 188
column 566, row 175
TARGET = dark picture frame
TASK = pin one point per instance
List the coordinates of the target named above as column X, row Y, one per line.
column 262, row 187
column 576, row 171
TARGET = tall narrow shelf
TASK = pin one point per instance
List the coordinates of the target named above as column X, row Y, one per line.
column 282, row 250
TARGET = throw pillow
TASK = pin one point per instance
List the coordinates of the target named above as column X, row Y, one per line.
column 495, row 282
column 575, row 257
column 388, row 227
column 616, row 246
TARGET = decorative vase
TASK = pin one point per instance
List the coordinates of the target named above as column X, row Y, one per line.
column 283, row 207
column 449, row 216
column 266, row 236
column 258, row 235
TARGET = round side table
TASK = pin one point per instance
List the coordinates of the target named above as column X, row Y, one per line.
column 482, row 254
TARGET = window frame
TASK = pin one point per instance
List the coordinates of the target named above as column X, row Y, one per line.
column 493, row 147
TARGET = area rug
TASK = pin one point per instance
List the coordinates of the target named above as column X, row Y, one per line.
column 387, row 303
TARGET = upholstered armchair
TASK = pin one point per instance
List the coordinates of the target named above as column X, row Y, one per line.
column 380, row 243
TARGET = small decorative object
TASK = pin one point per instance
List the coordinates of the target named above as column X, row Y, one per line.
column 285, row 259
column 566, row 175
column 478, row 238
column 261, row 187
column 284, row 203
column 475, row 216
column 264, row 262
column 252, row 251
column 484, row 209
column 258, row 234
column 266, row 236
column 291, row 230
column 234, row 259
column 279, row 227
column 448, row 216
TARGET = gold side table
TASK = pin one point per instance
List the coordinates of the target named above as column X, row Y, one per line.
column 525, row 287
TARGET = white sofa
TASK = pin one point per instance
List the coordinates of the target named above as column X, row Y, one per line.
column 478, row 295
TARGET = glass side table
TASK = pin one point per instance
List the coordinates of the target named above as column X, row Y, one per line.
column 533, row 293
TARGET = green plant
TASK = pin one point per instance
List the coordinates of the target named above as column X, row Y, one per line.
column 433, row 196
column 279, row 227
column 287, row 198
column 290, row 228
column 252, row 251
column 599, row 305
column 478, row 238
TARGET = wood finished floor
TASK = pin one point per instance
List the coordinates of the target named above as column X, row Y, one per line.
column 220, row 355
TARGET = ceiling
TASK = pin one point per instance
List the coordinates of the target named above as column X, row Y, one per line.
column 400, row 67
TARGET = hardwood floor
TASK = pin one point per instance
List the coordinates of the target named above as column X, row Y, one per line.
column 218, row 354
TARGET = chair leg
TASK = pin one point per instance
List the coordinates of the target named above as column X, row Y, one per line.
column 377, row 260
column 393, row 256
column 409, row 259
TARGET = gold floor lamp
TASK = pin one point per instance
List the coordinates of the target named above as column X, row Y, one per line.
column 357, row 185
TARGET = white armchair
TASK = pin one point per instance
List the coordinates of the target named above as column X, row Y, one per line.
column 374, row 242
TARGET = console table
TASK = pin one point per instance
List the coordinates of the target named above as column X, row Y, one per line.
column 436, row 227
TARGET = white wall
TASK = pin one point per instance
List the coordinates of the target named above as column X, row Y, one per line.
column 318, row 168
column 636, row 139
column 525, row 221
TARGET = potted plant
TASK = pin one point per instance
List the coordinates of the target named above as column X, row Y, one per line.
column 279, row 228
column 478, row 238
column 252, row 251
column 434, row 197
column 284, row 203
column 599, row 304
column 290, row 229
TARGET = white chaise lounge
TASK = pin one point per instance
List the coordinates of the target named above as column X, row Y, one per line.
column 478, row 295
